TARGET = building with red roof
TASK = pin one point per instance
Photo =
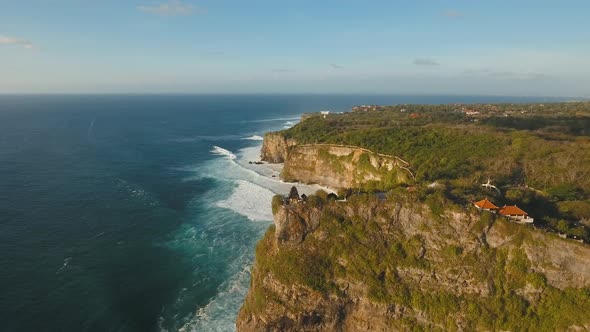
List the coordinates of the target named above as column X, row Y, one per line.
column 486, row 205
column 515, row 213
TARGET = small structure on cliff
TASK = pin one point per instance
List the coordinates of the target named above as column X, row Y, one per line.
column 513, row 213
column 486, row 205
column 294, row 197
column 516, row 214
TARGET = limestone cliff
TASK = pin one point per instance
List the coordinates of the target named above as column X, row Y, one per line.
column 275, row 147
column 335, row 166
column 339, row 166
column 368, row 265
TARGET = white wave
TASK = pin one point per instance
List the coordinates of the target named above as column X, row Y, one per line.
column 290, row 123
column 250, row 200
column 136, row 192
column 226, row 243
column 223, row 152
column 219, row 315
column 272, row 120
column 254, row 138
column 238, row 167
column 204, row 138
column 218, row 233
column 65, row 264
column 218, row 137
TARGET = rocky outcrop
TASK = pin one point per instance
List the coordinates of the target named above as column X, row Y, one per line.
column 367, row 265
column 275, row 148
column 331, row 165
column 565, row 263
column 339, row 166
column 294, row 221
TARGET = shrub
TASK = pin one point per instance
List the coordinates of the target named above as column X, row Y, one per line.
column 277, row 202
column 314, row 201
column 322, row 195
column 575, row 209
column 452, row 252
column 565, row 192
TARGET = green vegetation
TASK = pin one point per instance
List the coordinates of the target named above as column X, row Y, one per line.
column 360, row 242
column 538, row 155
column 277, row 201
column 543, row 146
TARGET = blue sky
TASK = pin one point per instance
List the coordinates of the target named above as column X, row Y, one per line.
column 534, row 48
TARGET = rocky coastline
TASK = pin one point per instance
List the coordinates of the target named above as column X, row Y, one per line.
column 404, row 262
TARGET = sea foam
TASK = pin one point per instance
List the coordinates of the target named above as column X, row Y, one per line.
column 249, row 200
column 215, row 316
column 253, row 138
column 222, row 152
column 271, row 120
column 244, row 189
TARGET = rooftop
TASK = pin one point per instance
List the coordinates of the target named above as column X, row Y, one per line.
column 512, row 211
column 485, row 204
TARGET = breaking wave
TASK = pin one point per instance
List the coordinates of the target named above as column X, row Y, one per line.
column 250, row 200
column 219, row 315
column 223, row 152
column 254, row 138
column 243, row 189
column 272, row 120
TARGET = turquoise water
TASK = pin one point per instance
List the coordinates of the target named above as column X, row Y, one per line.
column 129, row 213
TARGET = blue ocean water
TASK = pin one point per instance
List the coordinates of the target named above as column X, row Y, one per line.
column 130, row 213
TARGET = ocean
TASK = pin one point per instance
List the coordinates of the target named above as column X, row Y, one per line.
column 140, row 212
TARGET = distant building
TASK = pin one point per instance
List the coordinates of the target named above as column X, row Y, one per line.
column 486, row 205
column 515, row 213
column 365, row 108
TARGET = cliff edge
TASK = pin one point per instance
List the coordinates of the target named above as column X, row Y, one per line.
column 400, row 264
column 335, row 166
column 340, row 166
column 275, row 148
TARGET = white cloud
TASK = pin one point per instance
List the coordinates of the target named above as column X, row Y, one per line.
column 171, row 8
column 425, row 62
column 5, row 40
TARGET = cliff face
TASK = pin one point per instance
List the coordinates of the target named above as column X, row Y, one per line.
column 294, row 222
column 275, row 148
column 562, row 262
column 334, row 166
column 342, row 166
column 395, row 265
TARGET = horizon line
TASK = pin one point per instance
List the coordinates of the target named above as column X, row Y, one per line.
column 382, row 94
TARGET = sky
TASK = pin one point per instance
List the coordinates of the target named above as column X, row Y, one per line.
column 512, row 48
